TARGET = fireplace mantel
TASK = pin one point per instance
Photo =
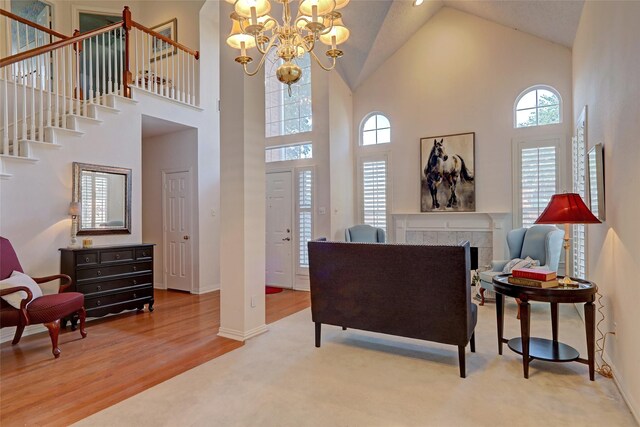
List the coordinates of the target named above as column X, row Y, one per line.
column 487, row 230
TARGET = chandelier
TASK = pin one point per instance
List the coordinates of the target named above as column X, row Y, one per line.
column 253, row 27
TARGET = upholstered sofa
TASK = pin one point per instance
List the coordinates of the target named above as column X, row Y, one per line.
column 413, row 291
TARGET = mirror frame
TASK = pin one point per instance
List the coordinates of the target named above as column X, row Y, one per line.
column 78, row 168
column 598, row 152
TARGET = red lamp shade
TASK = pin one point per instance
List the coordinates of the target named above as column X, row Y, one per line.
column 567, row 208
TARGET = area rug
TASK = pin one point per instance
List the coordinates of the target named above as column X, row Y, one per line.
column 363, row 379
column 272, row 290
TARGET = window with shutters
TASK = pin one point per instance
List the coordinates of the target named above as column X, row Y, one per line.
column 376, row 129
column 538, row 106
column 284, row 114
column 373, row 187
column 94, row 199
column 578, row 157
column 537, row 178
column 304, row 214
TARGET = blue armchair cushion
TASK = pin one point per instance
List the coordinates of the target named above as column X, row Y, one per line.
column 364, row 234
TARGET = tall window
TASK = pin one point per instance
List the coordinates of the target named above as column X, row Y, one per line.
column 376, row 129
column 305, row 214
column 536, row 170
column 373, row 176
column 538, row 106
column 284, row 114
column 578, row 157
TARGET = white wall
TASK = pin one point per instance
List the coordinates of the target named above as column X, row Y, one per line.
column 606, row 60
column 341, row 162
column 177, row 151
column 460, row 73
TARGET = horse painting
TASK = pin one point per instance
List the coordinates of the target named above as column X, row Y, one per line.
column 451, row 170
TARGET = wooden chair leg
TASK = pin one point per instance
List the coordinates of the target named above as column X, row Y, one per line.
column 461, row 361
column 518, row 302
column 318, row 333
column 473, row 342
column 54, row 330
column 82, row 314
column 482, row 296
column 18, row 335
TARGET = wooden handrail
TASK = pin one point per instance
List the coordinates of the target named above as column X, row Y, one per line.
column 32, row 24
column 57, row 45
column 155, row 34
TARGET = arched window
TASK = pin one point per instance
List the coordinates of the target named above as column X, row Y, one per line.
column 376, row 129
column 538, row 106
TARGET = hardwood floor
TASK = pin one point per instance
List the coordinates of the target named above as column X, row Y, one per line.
column 121, row 356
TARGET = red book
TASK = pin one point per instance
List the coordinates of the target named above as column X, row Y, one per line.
column 534, row 273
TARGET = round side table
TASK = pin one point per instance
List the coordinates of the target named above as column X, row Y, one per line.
column 540, row 348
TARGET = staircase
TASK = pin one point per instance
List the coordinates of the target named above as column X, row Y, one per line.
column 60, row 87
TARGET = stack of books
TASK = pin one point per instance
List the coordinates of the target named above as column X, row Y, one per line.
column 534, row 277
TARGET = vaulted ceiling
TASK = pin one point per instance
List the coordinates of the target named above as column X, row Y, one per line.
column 380, row 27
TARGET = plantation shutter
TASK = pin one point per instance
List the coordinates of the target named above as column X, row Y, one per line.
column 374, row 193
column 578, row 234
column 538, row 181
column 305, row 214
column 94, row 199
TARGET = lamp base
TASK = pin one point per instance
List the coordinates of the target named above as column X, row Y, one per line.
column 567, row 282
column 73, row 244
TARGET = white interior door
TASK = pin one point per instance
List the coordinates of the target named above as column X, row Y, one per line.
column 177, row 231
column 279, row 230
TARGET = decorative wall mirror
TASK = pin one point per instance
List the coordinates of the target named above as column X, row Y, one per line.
column 104, row 195
column 595, row 181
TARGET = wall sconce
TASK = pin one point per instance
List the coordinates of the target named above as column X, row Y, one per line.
column 74, row 211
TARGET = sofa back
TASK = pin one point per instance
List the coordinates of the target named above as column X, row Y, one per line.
column 416, row 291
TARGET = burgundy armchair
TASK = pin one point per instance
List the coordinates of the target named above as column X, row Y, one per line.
column 47, row 309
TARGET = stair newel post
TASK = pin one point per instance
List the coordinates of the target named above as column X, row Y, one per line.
column 77, row 48
column 126, row 76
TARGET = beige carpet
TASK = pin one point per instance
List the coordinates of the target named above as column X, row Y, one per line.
column 362, row 379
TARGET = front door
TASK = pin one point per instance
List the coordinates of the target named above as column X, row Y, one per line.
column 177, row 231
column 279, row 230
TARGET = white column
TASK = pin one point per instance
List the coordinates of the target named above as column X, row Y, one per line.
column 242, row 235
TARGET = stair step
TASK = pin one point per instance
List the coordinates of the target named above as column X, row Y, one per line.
column 113, row 100
column 19, row 159
column 96, row 110
column 75, row 121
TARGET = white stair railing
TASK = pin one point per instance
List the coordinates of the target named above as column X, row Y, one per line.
column 48, row 85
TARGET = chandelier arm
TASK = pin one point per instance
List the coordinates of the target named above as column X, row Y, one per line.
column 263, row 52
column 261, row 63
column 331, row 67
column 308, row 46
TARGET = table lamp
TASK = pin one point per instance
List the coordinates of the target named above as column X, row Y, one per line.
column 74, row 211
column 567, row 208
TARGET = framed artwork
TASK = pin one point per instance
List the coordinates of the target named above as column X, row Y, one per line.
column 161, row 49
column 447, row 178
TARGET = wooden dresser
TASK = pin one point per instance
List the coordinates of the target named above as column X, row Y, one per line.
column 112, row 278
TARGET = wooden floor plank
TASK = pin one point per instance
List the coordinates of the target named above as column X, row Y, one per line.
column 122, row 356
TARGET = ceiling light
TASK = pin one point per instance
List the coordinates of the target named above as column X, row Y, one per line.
column 317, row 20
column 417, row 2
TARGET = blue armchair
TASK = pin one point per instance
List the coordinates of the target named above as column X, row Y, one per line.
column 542, row 243
column 364, row 234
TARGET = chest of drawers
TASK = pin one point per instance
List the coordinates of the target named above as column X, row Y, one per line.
column 112, row 278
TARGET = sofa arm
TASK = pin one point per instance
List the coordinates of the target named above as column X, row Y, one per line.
column 498, row 265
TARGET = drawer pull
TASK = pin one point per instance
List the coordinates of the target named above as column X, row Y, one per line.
column 99, row 273
column 98, row 302
column 135, row 295
column 135, row 268
column 117, row 256
column 86, row 259
column 144, row 253
column 135, row 282
column 99, row 287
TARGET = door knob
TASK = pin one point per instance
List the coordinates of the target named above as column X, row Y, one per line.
column 286, row 239
column 186, row 237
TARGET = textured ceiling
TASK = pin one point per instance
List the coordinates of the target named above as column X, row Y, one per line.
column 380, row 27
